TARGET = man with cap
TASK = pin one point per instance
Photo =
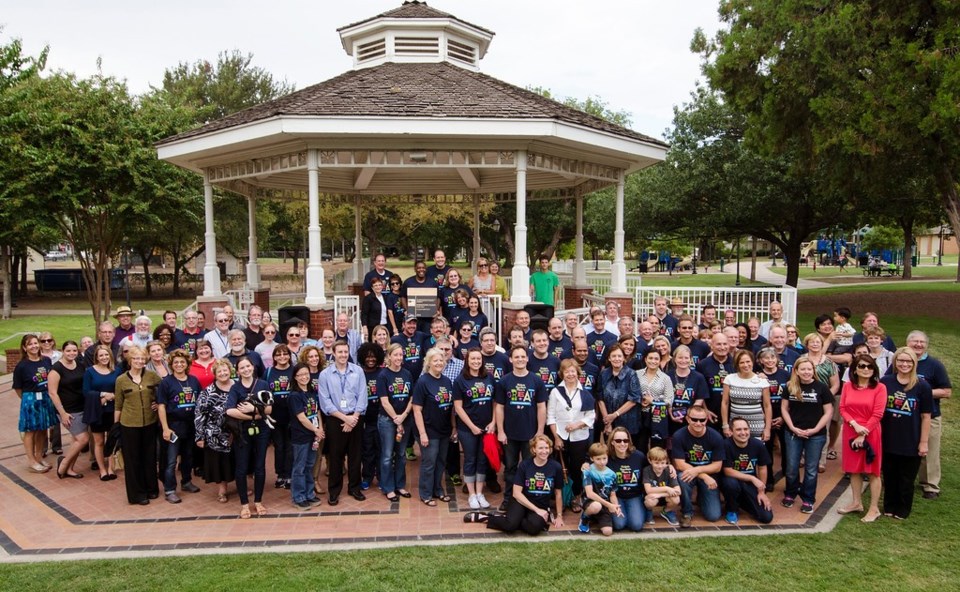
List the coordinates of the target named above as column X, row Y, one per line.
column 124, row 326
column 412, row 342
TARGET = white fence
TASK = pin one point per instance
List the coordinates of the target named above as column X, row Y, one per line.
column 351, row 306
column 746, row 302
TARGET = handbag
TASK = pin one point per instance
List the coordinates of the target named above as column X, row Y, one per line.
column 567, row 493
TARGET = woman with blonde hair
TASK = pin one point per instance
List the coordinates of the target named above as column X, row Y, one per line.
column 209, row 434
column 135, row 410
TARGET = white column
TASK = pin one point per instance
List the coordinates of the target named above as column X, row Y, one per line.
column 521, row 273
column 618, row 271
column 315, row 275
column 579, row 270
column 211, row 273
column 358, row 269
column 253, row 267
column 476, row 233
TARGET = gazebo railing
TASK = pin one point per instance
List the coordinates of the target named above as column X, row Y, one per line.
column 351, row 306
column 746, row 302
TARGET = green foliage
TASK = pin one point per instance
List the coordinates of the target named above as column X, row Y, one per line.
column 882, row 237
column 593, row 105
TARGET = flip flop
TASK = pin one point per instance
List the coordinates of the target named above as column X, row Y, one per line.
column 444, row 498
column 429, row 502
column 38, row 468
column 404, row 493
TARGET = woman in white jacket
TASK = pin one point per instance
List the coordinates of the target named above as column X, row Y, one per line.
column 570, row 414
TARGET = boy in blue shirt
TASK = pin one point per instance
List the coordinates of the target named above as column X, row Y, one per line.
column 599, row 492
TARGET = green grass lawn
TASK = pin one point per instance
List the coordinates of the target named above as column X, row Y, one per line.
column 916, row 554
column 923, row 271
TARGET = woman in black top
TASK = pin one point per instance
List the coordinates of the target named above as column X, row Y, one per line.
column 65, row 385
column 375, row 310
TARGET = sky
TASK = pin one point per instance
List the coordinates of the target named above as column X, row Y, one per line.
column 634, row 55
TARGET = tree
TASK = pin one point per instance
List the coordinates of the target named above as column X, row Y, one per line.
column 77, row 157
column 880, row 238
column 713, row 185
column 17, row 229
column 846, row 84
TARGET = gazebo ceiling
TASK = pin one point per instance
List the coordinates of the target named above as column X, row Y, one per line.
column 412, row 126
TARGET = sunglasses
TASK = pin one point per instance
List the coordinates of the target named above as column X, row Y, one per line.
column 483, row 265
column 697, row 419
column 621, row 441
column 46, row 341
column 864, row 367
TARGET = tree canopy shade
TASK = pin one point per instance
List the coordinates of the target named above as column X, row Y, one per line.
column 714, row 185
column 857, row 90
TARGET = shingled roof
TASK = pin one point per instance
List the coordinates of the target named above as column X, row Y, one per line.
column 414, row 90
column 413, row 9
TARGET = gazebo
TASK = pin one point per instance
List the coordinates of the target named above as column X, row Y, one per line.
column 414, row 121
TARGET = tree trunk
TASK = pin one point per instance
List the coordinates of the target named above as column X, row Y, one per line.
column 753, row 259
column 5, row 278
column 951, row 201
column 14, row 275
column 145, row 261
column 907, row 226
column 791, row 254
column 24, row 256
column 295, row 261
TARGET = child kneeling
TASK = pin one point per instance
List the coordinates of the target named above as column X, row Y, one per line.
column 599, row 492
column 661, row 486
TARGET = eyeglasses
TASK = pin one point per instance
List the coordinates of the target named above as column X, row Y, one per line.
column 621, row 441
column 483, row 265
column 905, row 361
column 864, row 367
column 697, row 419
column 394, row 283
column 223, row 320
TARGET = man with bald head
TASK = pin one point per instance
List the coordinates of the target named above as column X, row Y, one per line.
column 715, row 368
column 438, row 271
column 776, row 317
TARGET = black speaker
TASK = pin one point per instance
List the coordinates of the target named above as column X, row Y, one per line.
column 540, row 315
column 291, row 316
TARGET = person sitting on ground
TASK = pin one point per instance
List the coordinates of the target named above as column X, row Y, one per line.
column 599, row 492
column 660, row 486
column 745, row 475
column 537, row 494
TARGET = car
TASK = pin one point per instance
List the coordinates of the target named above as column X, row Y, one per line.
column 55, row 256
column 326, row 257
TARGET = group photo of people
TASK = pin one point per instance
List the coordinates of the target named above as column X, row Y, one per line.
column 601, row 422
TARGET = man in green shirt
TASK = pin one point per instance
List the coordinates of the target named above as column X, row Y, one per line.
column 545, row 285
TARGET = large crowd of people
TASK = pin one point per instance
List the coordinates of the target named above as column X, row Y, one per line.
column 617, row 421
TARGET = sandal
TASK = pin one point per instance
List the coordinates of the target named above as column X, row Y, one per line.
column 429, row 502
column 38, row 468
column 831, row 455
column 261, row 509
column 444, row 498
column 391, row 497
column 404, row 493
column 822, row 469
column 318, row 489
column 222, row 498
column 575, row 507
column 244, row 511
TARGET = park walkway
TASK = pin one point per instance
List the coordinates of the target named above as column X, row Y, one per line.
column 45, row 518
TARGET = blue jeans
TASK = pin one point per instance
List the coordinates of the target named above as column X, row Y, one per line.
column 709, row 499
column 474, row 460
column 184, row 432
column 432, row 460
column 810, row 449
column 633, row 514
column 242, row 447
column 393, row 459
column 301, row 480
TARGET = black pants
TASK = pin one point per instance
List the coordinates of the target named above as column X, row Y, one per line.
column 282, row 450
column 518, row 518
column 899, row 476
column 343, row 444
column 514, row 452
column 139, row 447
column 452, row 462
column 778, row 435
column 741, row 494
column 574, row 455
column 371, row 448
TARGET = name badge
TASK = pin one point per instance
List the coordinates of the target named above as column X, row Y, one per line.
column 38, row 396
column 343, row 404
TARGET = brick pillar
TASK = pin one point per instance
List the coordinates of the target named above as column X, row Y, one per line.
column 13, row 357
column 321, row 318
column 208, row 305
column 261, row 298
column 573, row 295
column 625, row 301
column 510, row 310
column 357, row 289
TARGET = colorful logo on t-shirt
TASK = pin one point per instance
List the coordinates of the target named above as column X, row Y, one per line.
column 539, row 484
column 717, row 383
column 40, row 377
column 186, row 398
column 492, row 370
column 586, row 381
column 658, row 411
column 549, row 378
column 628, row 477
column 521, row 396
column 479, row 393
column 311, row 409
column 597, row 348
column 899, row 403
column 411, row 352
column 399, row 389
column 745, row 464
column 280, row 386
column 372, row 390
column 698, row 455
column 444, row 397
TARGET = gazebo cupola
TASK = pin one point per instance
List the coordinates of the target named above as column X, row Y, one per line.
column 415, row 33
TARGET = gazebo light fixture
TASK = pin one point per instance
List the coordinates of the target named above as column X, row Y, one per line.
column 418, row 156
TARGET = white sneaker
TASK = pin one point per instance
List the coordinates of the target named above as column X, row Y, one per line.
column 482, row 501
column 474, row 503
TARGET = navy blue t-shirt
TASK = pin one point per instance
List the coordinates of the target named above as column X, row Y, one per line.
column 239, row 392
column 539, row 484
column 562, row 349
column 786, row 360
column 463, row 347
column 280, row 383
column 933, row 372
column 437, row 275
column 700, row 451
column 520, row 397
column 498, row 365
column 778, row 389
column 746, row 459
column 477, row 396
column 698, row 350
column 547, row 369
column 598, row 343
column 373, row 273
column 686, row 391
column 397, row 387
column 714, row 372
column 373, row 397
column 435, row 397
column 479, row 321
column 589, row 373
column 900, row 426
column 179, row 397
column 308, row 404
column 413, row 350
column 628, row 471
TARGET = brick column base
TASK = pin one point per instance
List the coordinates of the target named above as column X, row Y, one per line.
column 625, row 301
column 321, row 318
column 13, row 358
column 208, row 305
column 573, row 295
column 357, row 289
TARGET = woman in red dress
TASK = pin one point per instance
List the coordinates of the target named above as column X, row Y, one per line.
column 862, row 405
